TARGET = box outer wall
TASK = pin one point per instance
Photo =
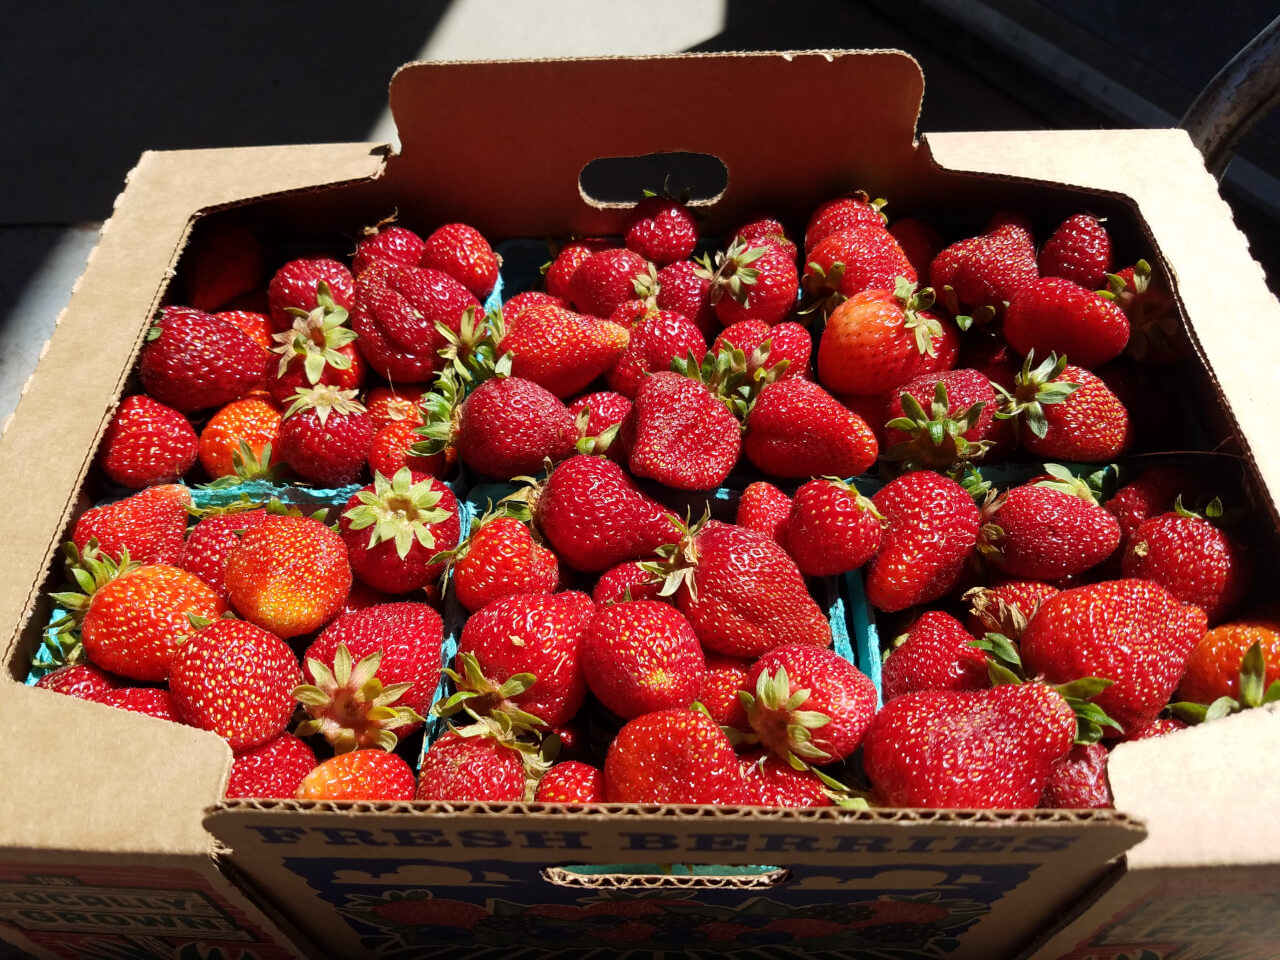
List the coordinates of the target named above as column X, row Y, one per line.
column 1157, row 169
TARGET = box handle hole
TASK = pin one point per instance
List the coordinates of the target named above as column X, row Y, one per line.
column 613, row 181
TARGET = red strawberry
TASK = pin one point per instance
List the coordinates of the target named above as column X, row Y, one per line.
column 797, row 429
column 256, row 325
column 660, row 229
column 388, row 405
column 297, row 283
column 81, row 680
column 937, row 654
column 326, row 435
column 252, row 423
column 289, row 575
column 606, row 279
column 980, row 749
column 978, row 276
column 192, row 361
column 605, row 409
column 1079, row 250
column 932, row 531
column 147, row 443
column 392, row 451
column 1156, row 332
column 753, row 283
column 235, row 679
column 318, row 348
column 1213, row 671
column 655, row 342
column 395, row 650
column 842, row 213
column 530, row 298
column 1152, row 492
column 920, row 242
column 764, row 228
column 562, row 350
column 359, row 775
column 461, row 768
column 1067, row 413
column 685, row 288
column 464, row 254
column 134, row 624
column 878, row 340
column 725, row 677
column 153, row 701
column 1156, row 728
column 765, row 509
column 642, row 656
column 149, row 525
column 672, row 756
column 211, row 542
column 521, row 656
column 1048, row 529
column 772, row 782
column 680, row 433
column 501, row 558
column 508, row 426
column 809, row 705
column 944, row 419
column 1055, row 315
column 571, row 782
column 224, row 261
column 270, row 771
column 386, row 242
column 740, row 590
column 571, row 256
column 844, row 264
column 832, row 528
column 1192, row 559
column 393, row 528
column 626, row 581
column 1131, row 631
column 1007, row 607
column 405, row 299
column 785, row 341
column 1079, row 780
column 594, row 516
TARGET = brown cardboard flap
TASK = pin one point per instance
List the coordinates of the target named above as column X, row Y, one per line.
column 742, row 108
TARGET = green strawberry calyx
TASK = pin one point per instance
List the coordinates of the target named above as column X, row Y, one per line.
column 936, row 436
column 441, row 409
column 600, row 443
column 324, row 400
column 1252, row 692
column 998, row 616
column 733, row 274
column 536, row 756
column 1061, row 479
column 248, row 464
column 785, row 729
column 487, row 701
column 87, row 571
column 317, row 336
column 349, row 705
column 1034, row 389
column 730, row 376
column 474, row 353
column 400, row 511
column 677, row 563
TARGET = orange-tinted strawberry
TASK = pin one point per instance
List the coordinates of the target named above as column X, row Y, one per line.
column 765, row 509
column 753, row 283
column 680, row 433
column 252, row 421
column 832, row 528
column 842, row 213
column 772, row 782
column 937, row 654
column 672, row 756
column 150, row 525
column 326, row 435
column 1079, row 780
column 153, row 701
column 725, row 677
column 399, row 404
column 501, row 558
column 386, row 242
column 211, row 541
column 932, row 531
column 134, row 624
column 394, row 527
column 661, row 229
column 369, row 677
column 572, row 255
column 920, row 242
column 1055, row 315
column 235, row 679
column 595, row 516
column 1079, row 250
column 685, row 288
column 193, row 361
column 797, row 429
column 508, row 426
column 464, row 254
column 1192, row 559
column 289, row 575
column 1214, row 668
column 655, row 342
column 786, row 341
column 571, row 781
column 392, row 451
column 808, row 704
column 605, row 279
column 461, row 768
column 980, row 749
column 846, row 263
column 359, row 775
column 147, row 443
column 561, row 350
column 296, row 284
column 978, row 276
column 1131, row 631
column 81, row 680
column 223, row 262
column 642, row 656
column 271, row 770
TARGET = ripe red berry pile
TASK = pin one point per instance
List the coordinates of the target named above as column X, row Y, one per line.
column 941, row 422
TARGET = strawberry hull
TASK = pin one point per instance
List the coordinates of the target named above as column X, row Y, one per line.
column 161, row 858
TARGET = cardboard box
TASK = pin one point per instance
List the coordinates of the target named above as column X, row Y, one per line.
column 405, row 880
